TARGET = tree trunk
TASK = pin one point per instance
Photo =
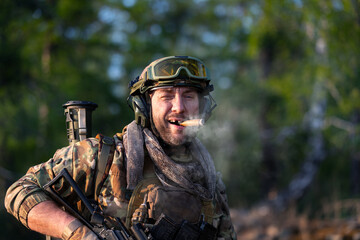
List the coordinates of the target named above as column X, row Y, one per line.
column 314, row 121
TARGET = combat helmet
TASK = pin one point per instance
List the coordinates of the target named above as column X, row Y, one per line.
column 170, row 71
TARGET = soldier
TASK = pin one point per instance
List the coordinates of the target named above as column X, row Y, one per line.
column 156, row 160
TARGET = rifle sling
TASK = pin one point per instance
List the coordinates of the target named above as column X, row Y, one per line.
column 105, row 146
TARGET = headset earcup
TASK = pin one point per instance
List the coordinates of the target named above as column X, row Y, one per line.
column 140, row 107
column 206, row 108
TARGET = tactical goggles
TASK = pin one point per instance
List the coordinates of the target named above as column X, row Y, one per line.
column 177, row 66
column 176, row 71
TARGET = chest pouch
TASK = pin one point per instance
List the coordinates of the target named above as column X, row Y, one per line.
column 176, row 203
column 150, row 199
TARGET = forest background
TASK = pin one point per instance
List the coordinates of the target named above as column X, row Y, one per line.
column 286, row 76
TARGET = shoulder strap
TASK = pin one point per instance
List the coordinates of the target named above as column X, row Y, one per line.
column 105, row 158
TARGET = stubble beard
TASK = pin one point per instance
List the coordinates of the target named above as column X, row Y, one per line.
column 172, row 139
column 175, row 140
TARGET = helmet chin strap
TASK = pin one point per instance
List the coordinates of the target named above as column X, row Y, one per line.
column 150, row 120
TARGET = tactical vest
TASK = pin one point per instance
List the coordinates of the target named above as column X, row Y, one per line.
column 177, row 203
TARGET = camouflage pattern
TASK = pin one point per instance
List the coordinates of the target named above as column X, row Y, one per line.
column 80, row 160
column 225, row 227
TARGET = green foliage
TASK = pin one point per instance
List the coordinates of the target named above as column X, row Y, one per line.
column 266, row 60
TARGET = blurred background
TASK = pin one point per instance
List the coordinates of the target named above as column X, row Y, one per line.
column 285, row 134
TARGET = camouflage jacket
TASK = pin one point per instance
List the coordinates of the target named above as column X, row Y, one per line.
column 80, row 160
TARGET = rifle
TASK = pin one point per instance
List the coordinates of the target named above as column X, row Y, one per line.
column 106, row 228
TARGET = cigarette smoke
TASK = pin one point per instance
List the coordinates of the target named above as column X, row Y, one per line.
column 218, row 137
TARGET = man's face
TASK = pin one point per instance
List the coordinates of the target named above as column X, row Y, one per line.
column 170, row 105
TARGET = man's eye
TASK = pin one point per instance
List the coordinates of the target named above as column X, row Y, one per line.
column 166, row 97
column 190, row 96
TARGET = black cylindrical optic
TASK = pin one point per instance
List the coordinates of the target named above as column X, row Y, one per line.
column 78, row 119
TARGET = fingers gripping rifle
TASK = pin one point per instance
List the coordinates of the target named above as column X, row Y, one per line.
column 105, row 228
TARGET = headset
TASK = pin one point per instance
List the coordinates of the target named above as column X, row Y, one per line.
column 170, row 71
column 140, row 104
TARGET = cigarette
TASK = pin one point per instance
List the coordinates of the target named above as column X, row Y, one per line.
column 193, row 123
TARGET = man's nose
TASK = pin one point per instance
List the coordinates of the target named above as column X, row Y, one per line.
column 178, row 104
